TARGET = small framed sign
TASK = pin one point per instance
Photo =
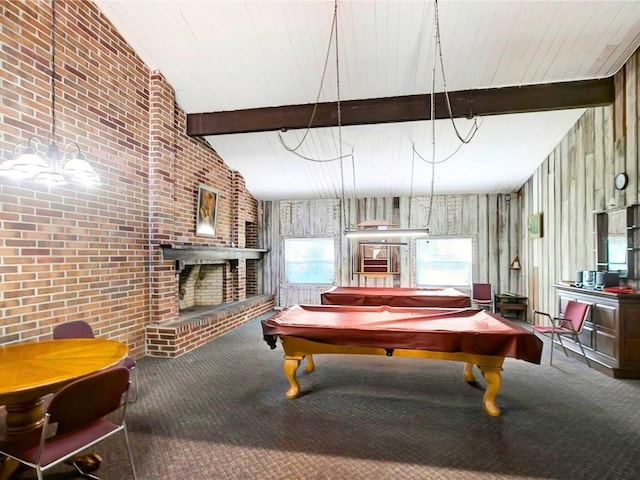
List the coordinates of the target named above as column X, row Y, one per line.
column 535, row 225
column 207, row 211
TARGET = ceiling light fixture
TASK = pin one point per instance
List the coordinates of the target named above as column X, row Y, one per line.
column 383, row 242
column 50, row 168
column 383, row 232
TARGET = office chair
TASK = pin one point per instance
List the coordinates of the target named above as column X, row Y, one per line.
column 81, row 329
column 570, row 324
column 75, row 420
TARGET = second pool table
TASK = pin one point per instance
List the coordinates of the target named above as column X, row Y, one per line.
column 396, row 297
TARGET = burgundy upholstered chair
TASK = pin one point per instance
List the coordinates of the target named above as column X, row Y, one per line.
column 569, row 324
column 81, row 329
column 75, row 420
column 482, row 295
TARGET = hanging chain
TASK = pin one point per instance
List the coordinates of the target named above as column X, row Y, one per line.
column 341, row 155
column 324, row 73
column 53, row 70
column 339, row 112
column 413, row 165
column 433, row 122
column 334, row 28
column 438, row 52
column 475, row 127
column 438, row 57
column 316, row 160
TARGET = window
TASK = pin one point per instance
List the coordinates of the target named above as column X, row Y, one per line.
column 617, row 252
column 309, row 260
column 444, row 262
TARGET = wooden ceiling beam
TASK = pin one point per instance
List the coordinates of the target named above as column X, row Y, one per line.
column 464, row 103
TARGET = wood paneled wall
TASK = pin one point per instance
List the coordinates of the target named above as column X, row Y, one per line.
column 573, row 181
column 493, row 221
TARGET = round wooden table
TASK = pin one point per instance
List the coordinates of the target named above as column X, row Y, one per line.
column 30, row 371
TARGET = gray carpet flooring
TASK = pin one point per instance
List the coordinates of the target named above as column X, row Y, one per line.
column 219, row 412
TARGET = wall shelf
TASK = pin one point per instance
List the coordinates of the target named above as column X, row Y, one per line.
column 622, row 226
column 633, row 240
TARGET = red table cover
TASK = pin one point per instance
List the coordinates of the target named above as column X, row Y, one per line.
column 396, row 297
column 443, row 330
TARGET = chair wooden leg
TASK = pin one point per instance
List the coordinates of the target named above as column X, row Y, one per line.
column 551, row 355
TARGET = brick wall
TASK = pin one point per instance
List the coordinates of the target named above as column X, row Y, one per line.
column 70, row 252
column 252, row 277
column 210, row 284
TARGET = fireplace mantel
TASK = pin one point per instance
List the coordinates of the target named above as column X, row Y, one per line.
column 201, row 255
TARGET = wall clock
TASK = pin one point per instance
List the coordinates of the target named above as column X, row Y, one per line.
column 621, row 181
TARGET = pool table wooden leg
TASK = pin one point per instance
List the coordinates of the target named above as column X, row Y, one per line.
column 494, row 381
column 311, row 366
column 291, row 364
column 469, row 377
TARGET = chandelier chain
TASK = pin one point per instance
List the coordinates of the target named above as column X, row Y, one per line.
column 53, row 70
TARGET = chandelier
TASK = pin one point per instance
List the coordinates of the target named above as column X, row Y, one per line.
column 29, row 160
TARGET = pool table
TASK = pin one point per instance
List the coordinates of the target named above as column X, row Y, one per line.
column 474, row 337
column 396, row 297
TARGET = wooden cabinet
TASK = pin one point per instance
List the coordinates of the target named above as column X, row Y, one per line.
column 510, row 302
column 611, row 335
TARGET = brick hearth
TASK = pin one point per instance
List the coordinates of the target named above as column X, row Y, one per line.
column 196, row 327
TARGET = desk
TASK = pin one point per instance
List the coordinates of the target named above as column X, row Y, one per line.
column 506, row 302
column 396, row 297
column 470, row 336
column 32, row 370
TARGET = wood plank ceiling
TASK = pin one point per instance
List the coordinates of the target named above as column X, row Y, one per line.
column 235, row 55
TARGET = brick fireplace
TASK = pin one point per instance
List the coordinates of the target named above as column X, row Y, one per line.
column 211, row 295
column 204, row 283
column 200, row 285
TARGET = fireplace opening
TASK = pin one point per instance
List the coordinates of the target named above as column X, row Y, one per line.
column 212, row 278
column 201, row 285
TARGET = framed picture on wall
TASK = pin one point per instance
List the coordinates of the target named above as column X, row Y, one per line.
column 535, row 225
column 207, row 211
